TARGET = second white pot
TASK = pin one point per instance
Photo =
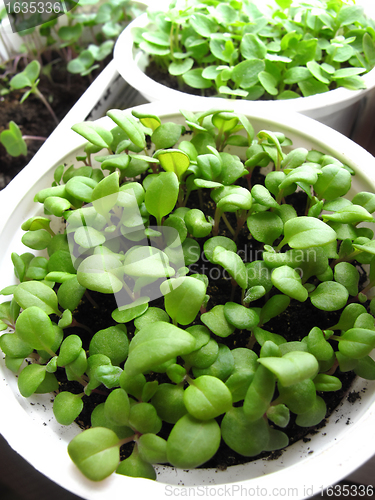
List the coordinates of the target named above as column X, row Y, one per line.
column 336, row 108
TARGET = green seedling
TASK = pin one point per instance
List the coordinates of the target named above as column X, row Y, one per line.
column 14, row 142
column 281, row 51
column 188, row 352
column 29, row 79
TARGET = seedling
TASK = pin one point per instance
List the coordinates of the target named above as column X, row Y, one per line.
column 14, row 142
column 254, row 50
column 29, row 79
column 190, row 356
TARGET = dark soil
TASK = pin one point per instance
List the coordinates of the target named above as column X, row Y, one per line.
column 62, row 91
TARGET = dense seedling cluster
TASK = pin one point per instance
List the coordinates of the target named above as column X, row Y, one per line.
column 251, row 49
column 135, row 228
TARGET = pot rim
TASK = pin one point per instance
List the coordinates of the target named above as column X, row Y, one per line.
column 329, row 465
column 129, row 65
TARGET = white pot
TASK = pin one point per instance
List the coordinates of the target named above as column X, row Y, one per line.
column 302, row 470
column 10, row 43
column 337, row 108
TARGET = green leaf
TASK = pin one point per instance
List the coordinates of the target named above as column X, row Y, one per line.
column 268, row 82
column 252, row 47
column 240, row 316
column 245, row 74
column 183, row 298
column 279, row 414
column 288, row 281
column 197, row 224
column 327, row 383
column 304, row 232
column 112, row 342
column 315, row 414
column 177, row 68
column 207, row 397
column 317, row 71
column 293, row 367
column 117, row 407
column 135, row 466
column 369, row 49
column 202, row 24
column 129, row 125
column 259, row 394
column 162, row 194
column 273, row 307
column 13, row 141
column 365, row 368
column 152, row 448
column 265, row 226
column 333, row 182
column 357, row 343
column 347, row 275
column 67, row 407
column 318, row 345
column 244, row 437
column 30, row 379
column 96, row 452
column 70, row 293
column 233, row 264
column 101, row 273
column 299, row 397
column 27, row 77
column 82, row 63
column 147, row 262
column 350, row 214
column 156, row 344
column 94, row 133
column 37, row 240
column 125, row 315
column 192, row 442
column 194, row 79
column 311, row 86
column 35, row 293
column 14, row 347
column 168, row 402
column 173, row 160
column 329, row 296
column 69, row 350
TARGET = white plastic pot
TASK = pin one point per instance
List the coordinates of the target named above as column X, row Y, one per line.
column 302, row 470
column 10, row 43
column 337, row 108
